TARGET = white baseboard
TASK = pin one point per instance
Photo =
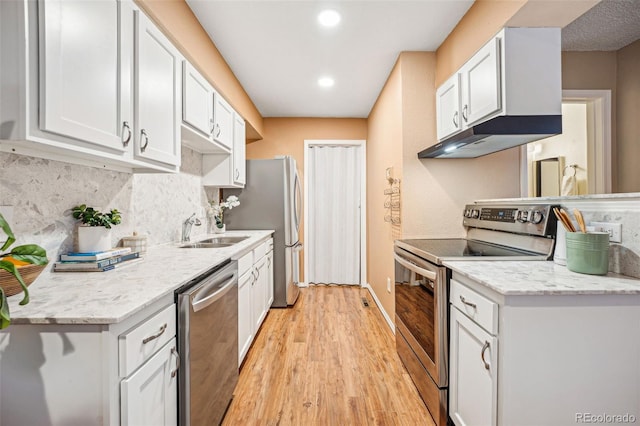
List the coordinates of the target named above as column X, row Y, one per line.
column 386, row 316
column 303, row 285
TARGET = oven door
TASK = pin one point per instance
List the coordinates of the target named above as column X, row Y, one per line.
column 421, row 311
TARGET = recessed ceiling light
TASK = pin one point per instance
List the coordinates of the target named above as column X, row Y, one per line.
column 329, row 18
column 325, row 82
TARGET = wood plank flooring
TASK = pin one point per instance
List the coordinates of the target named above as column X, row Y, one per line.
column 327, row 361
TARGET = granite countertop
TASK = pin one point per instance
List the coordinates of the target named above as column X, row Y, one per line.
column 112, row 296
column 542, row 278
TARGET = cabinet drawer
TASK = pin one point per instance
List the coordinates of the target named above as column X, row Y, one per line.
column 269, row 245
column 140, row 343
column 260, row 251
column 245, row 263
column 480, row 309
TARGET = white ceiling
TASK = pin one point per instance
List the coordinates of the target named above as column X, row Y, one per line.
column 609, row 25
column 278, row 51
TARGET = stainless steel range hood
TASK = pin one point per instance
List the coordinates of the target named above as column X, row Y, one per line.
column 495, row 135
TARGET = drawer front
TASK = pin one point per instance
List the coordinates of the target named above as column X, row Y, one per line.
column 269, row 245
column 245, row 263
column 139, row 344
column 259, row 251
column 477, row 307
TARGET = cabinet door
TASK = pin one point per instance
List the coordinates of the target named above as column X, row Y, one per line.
column 473, row 379
column 81, row 55
column 269, row 279
column 481, row 87
column 158, row 100
column 150, row 395
column 258, row 297
column 223, row 116
column 448, row 107
column 239, row 150
column 245, row 321
column 197, row 105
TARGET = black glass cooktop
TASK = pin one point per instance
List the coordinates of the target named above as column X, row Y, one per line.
column 436, row 250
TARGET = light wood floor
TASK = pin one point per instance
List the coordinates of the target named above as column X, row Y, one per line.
column 327, row 361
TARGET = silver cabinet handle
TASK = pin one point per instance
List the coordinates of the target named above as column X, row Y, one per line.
column 470, row 304
column 155, row 336
column 257, row 274
column 125, row 126
column 177, row 355
column 464, row 113
column 237, row 174
column 455, row 119
column 213, row 127
column 219, row 130
column 143, row 132
column 484, row 349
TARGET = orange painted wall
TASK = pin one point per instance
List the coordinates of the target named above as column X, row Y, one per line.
column 384, row 149
column 180, row 24
column 286, row 136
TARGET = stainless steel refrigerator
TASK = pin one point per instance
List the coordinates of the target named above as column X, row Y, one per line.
column 272, row 199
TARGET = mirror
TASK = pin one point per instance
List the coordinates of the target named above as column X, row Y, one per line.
column 601, row 89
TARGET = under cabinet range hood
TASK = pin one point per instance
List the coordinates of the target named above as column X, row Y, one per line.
column 495, row 135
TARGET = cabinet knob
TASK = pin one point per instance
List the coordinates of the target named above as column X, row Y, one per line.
column 143, row 133
column 125, row 126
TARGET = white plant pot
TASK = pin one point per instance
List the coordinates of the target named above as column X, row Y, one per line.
column 93, row 239
column 217, row 230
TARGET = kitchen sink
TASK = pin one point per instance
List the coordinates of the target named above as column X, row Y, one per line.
column 215, row 242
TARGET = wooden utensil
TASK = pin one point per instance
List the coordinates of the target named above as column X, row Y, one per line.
column 580, row 220
column 567, row 219
column 563, row 218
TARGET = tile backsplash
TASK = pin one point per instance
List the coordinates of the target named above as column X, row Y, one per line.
column 42, row 192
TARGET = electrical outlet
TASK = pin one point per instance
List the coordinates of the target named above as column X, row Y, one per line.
column 614, row 230
column 388, row 285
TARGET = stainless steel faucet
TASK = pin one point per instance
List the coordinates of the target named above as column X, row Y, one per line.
column 186, row 226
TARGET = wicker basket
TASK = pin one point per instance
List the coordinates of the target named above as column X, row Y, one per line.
column 10, row 284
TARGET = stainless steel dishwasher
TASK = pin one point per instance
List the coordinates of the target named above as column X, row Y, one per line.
column 208, row 338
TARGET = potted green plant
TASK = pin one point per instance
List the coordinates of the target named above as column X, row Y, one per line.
column 29, row 259
column 94, row 235
column 216, row 211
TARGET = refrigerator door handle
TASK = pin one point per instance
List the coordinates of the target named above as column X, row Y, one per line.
column 296, row 201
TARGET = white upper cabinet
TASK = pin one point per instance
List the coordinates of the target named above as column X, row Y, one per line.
column 81, row 95
column 239, row 150
column 518, row 72
column 223, row 115
column 198, row 116
column 90, row 82
column 158, row 97
column 197, row 101
column 448, row 107
column 481, row 89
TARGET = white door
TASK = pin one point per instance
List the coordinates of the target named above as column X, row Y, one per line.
column 473, row 379
column 481, row 94
column 197, row 100
column 150, row 395
column 333, row 241
column 81, row 94
column 158, row 100
column 448, row 107
column 245, row 321
column 258, row 293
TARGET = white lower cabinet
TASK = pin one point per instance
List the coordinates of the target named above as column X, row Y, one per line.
column 473, row 379
column 542, row 359
column 150, row 395
column 92, row 374
column 253, row 295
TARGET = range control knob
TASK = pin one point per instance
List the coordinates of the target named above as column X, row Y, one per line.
column 536, row 217
column 467, row 213
column 522, row 216
column 475, row 213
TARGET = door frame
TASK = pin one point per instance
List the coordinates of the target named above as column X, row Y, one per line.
column 362, row 144
column 599, row 159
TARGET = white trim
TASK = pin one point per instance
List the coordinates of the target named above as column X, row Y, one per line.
column 386, row 316
column 598, row 172
column 363, row 197
column 303, row 284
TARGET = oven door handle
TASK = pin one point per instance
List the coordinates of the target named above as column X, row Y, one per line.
column 415, row 268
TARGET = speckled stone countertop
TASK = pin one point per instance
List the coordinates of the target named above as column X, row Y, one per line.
column 112, row 296
column 541, row 278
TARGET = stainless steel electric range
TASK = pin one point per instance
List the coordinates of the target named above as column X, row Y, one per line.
column 494, row 232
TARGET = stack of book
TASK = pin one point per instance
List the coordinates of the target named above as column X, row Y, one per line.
column 97, row 262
